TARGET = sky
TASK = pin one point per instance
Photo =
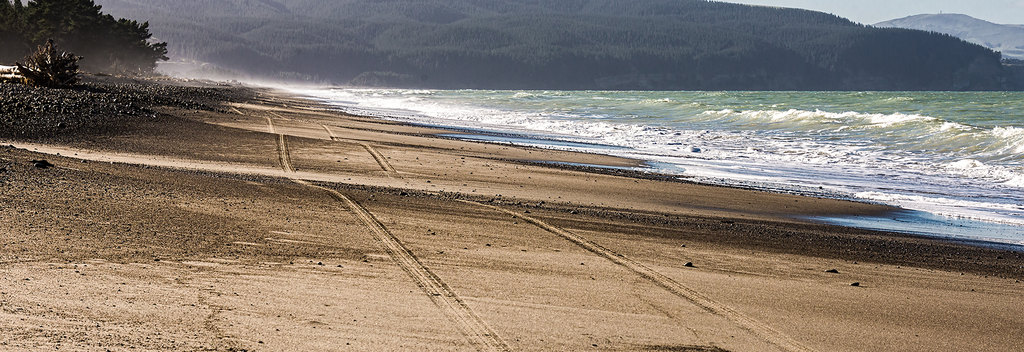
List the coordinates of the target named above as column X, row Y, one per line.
column 874, row 11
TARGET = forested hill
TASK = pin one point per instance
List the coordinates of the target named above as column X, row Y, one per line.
column 563, row 44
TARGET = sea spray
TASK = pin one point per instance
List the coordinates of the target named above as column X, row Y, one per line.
column 950, row 154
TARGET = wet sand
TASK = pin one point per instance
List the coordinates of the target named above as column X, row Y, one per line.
column 272, row 224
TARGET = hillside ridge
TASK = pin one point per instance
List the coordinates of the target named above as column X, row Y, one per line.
column 562, row 44
column 1005, row 38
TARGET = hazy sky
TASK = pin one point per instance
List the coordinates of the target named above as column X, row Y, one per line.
column 874, row 11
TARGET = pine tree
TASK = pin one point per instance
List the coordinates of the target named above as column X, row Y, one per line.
column 108, row 44
column 136, row 54
column 12, row 44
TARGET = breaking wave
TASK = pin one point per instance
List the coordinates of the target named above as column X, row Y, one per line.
column 954, row 154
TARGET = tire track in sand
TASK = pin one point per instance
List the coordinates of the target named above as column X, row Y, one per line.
column 381, row 160
column 283, row 156
column 476, row 331
column 444, row 297
column 755, row 327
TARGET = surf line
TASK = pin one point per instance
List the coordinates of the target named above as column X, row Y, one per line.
column 472, row 326
column 755, row 327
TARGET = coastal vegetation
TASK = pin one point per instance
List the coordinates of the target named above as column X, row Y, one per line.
column 106, row 44
column 564, row 44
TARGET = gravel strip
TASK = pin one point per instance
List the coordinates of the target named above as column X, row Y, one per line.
column 99, row 106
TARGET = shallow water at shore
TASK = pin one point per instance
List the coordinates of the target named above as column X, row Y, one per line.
column 905, row 221
column 927, row 224
column 949, row 155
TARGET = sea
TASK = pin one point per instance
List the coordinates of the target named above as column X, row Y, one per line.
column 952, row 162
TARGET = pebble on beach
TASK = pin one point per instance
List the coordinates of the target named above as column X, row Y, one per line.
column 42, row 164
column 97, row 106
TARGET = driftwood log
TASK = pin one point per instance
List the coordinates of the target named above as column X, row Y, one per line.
column 11, row 74
column 50, row 68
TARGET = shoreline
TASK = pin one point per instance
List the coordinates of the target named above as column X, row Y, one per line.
column 915, row 186
column 594, row 163
column 264, row 223
column 896, row 219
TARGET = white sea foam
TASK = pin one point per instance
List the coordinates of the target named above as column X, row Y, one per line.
column 968, row 166
column 950, row 126
column 959, row 208
column 1016, row 181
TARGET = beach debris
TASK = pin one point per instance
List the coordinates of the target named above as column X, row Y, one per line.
column 42, row 164
column 694, row 150
column 855, row 284
column 10, row 74
column 50, row 68
column 832, row 271
column 688, row 264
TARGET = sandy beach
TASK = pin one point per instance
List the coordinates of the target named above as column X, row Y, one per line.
column 259, row 221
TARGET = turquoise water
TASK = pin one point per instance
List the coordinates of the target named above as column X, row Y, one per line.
column 958, row 156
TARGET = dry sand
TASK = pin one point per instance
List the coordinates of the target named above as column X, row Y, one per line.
column 276, row 225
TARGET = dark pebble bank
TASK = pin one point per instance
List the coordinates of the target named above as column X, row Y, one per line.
column 100, row 105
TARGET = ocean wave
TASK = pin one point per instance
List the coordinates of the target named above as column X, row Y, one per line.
column 978, row 170
column 1008, row 132
column 900, row 99
column 1016, row 181
column 747, row 136
column 817, row 119
column 950, row 126
column 880, row 120
column 1012, row 139
column 958, row 208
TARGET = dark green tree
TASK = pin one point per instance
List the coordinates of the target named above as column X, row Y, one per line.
column 137, row 53
column 107, row 44
column 12, row 25
column 68, row 21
